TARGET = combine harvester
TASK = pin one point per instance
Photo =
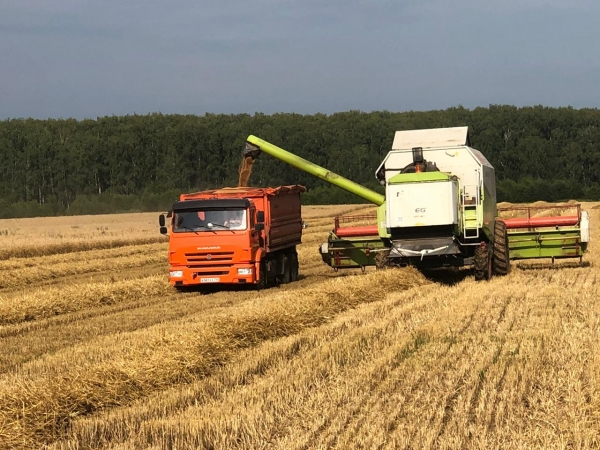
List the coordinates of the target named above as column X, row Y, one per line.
column 439, row 210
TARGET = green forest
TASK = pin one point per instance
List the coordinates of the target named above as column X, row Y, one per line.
column 142, row 162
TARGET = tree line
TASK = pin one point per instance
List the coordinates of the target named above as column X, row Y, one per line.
column 142, row 162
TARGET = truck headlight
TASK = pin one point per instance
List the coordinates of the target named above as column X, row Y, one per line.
column 176, row 273
column 244, row 271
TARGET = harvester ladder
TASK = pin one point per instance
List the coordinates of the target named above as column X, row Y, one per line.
column 470, row 204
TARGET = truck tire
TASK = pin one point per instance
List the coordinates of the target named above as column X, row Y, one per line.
column 287, row 269
column 483, row 263
column 501, row 257
column 294, row 266
column 263, row 279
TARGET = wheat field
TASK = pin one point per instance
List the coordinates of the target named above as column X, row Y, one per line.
column 98, row 351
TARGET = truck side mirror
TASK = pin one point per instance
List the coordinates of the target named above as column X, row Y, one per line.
column 163, row 230
column 259, row 226
column 260, row 216
column 161, row 220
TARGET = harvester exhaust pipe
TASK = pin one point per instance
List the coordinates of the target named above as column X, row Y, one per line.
column 254, row 146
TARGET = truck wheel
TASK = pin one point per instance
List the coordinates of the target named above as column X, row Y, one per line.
column 294, row 266
column 287, row 269
column 483, row 263
column 501, row 257
column 263, row 280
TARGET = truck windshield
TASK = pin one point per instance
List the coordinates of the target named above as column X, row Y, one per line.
column 209, row 220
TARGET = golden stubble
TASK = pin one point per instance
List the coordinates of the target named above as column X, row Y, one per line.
column 381, row 360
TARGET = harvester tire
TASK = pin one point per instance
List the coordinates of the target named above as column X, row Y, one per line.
column 382, row 260
column 501, row 258
column 483, row 263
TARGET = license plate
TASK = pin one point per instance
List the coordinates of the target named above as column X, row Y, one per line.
column 209, row 280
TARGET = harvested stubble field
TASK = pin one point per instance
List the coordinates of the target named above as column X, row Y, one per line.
column 97, row 351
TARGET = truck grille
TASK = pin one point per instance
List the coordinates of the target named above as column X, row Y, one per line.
column 205, row 273
column 209, row 258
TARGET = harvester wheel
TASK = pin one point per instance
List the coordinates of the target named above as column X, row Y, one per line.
column 382, row 260
column 501, row 259
column 483, row 263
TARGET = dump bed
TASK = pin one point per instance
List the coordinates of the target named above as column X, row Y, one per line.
column 281, row 206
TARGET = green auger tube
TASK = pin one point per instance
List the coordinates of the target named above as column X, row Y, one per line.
column 255, row 145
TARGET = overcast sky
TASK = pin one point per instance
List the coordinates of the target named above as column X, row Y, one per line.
column 91, row 58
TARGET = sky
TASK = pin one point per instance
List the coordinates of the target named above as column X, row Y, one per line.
column 93, row 58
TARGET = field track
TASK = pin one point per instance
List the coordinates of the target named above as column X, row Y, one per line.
column 97, row 351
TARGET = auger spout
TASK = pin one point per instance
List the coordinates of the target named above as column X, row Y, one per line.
column 255, row 145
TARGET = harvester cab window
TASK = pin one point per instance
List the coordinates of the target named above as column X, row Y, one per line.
column 424, row 166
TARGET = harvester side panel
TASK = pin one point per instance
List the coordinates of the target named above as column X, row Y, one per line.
column 489, row 208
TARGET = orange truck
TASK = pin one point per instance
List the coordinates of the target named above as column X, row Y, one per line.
column 237, row 236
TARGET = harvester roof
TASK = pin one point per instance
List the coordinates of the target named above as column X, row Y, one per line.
column 431, row 138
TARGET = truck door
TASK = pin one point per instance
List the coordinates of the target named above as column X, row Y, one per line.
column 254, row 234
